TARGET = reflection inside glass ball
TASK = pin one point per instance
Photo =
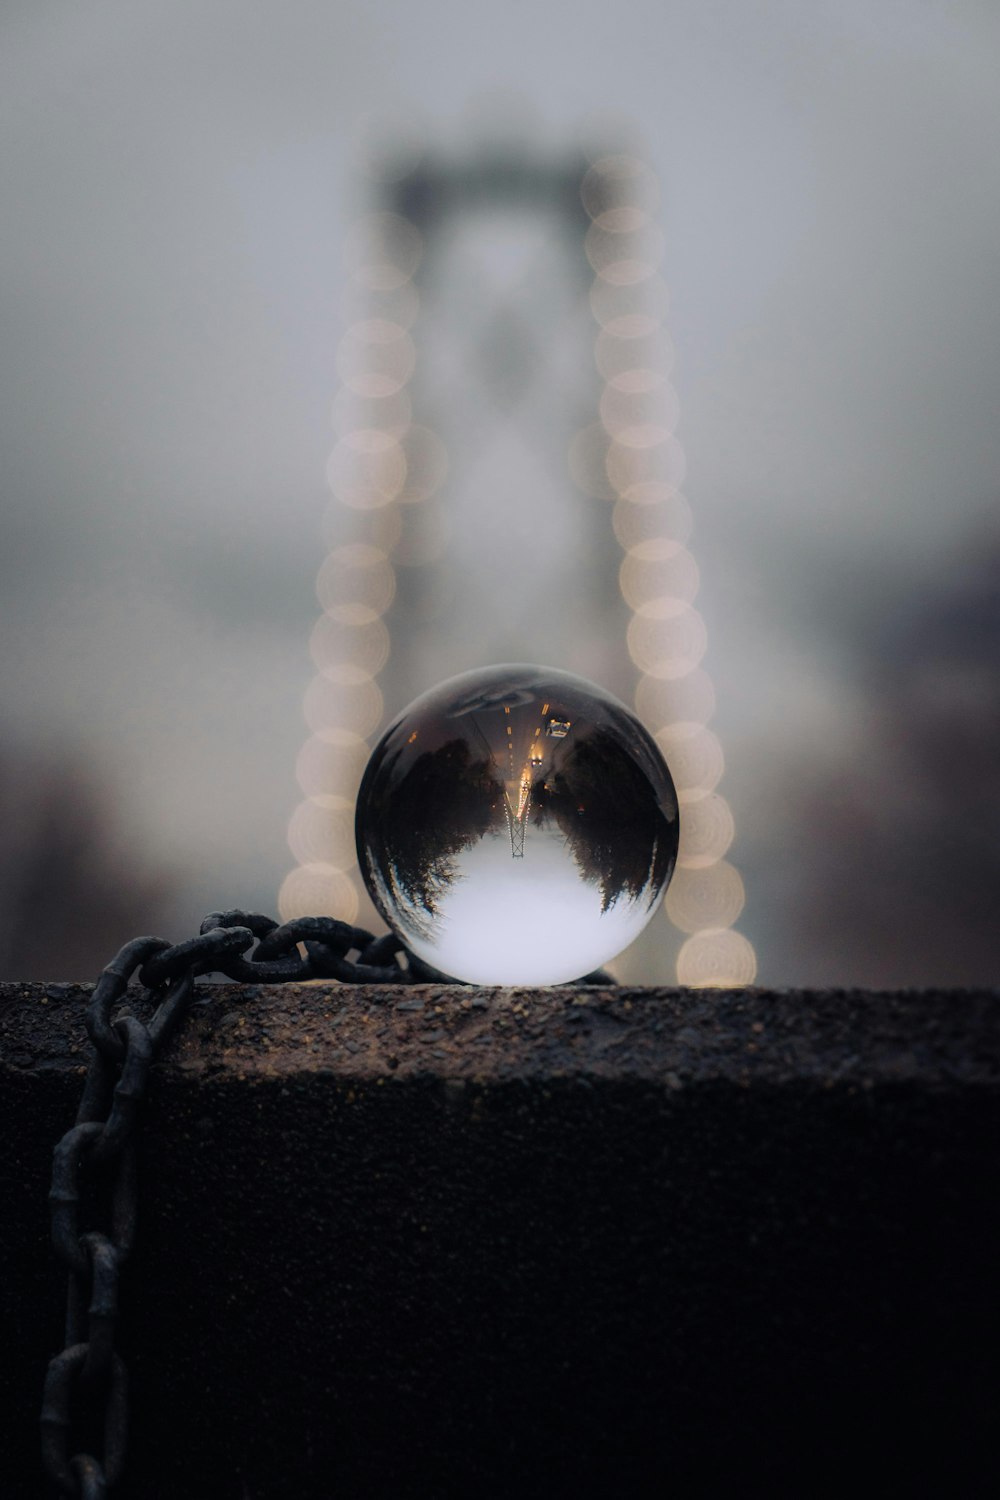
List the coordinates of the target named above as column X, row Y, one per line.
column 516, row 825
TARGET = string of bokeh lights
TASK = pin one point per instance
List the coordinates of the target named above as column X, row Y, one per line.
column 631, row 457
column 384, row 473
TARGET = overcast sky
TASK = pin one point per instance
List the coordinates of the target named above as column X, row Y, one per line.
column 177, row 179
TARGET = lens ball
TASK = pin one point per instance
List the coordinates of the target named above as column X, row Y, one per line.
column 516, row 825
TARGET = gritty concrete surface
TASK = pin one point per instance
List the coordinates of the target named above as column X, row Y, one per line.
column 451, row 1242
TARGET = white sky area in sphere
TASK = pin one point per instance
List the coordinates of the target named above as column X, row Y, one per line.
column 531, row 920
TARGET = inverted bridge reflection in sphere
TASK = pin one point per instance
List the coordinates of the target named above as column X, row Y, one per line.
column 517, row 826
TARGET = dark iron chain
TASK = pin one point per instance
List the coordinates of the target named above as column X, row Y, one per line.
column 94, row 1167
column 86, row 1384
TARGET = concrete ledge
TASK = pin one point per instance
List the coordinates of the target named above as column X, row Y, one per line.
column 510, row 1243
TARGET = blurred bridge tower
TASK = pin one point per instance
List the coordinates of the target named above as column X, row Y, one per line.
column 506, row 486
column 516, row 564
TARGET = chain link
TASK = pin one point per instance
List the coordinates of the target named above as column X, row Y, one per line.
column 94, row 1164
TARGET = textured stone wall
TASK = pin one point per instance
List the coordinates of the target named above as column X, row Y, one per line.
column 512, row 1243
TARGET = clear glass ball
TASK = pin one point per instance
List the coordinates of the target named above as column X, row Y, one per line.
column 516, row 825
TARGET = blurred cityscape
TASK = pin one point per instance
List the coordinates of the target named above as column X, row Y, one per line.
column 728, row 451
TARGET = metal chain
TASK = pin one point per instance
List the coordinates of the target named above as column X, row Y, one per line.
column 85, row 1400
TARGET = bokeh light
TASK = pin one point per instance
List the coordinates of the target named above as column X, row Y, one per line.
column 356, row 583
column 376, row 357
column 335, row 643
column 655, row 566
column 707, row 829
column 382, row 472
column 632, row 310
column 717, row 957
column 641, row 417
column 331, row 760
column 624, row 259
column 318, row 890
column 633, row 457
column 705, row 897
column 650, row 513
column 619, row 355
column 367, row 468
column 322, row 832
column 662, row 459
column 668, row 700
column 694, row 755
column 667, row 637
column 344, row 697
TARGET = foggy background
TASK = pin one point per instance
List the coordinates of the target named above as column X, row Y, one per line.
column 178, row 181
